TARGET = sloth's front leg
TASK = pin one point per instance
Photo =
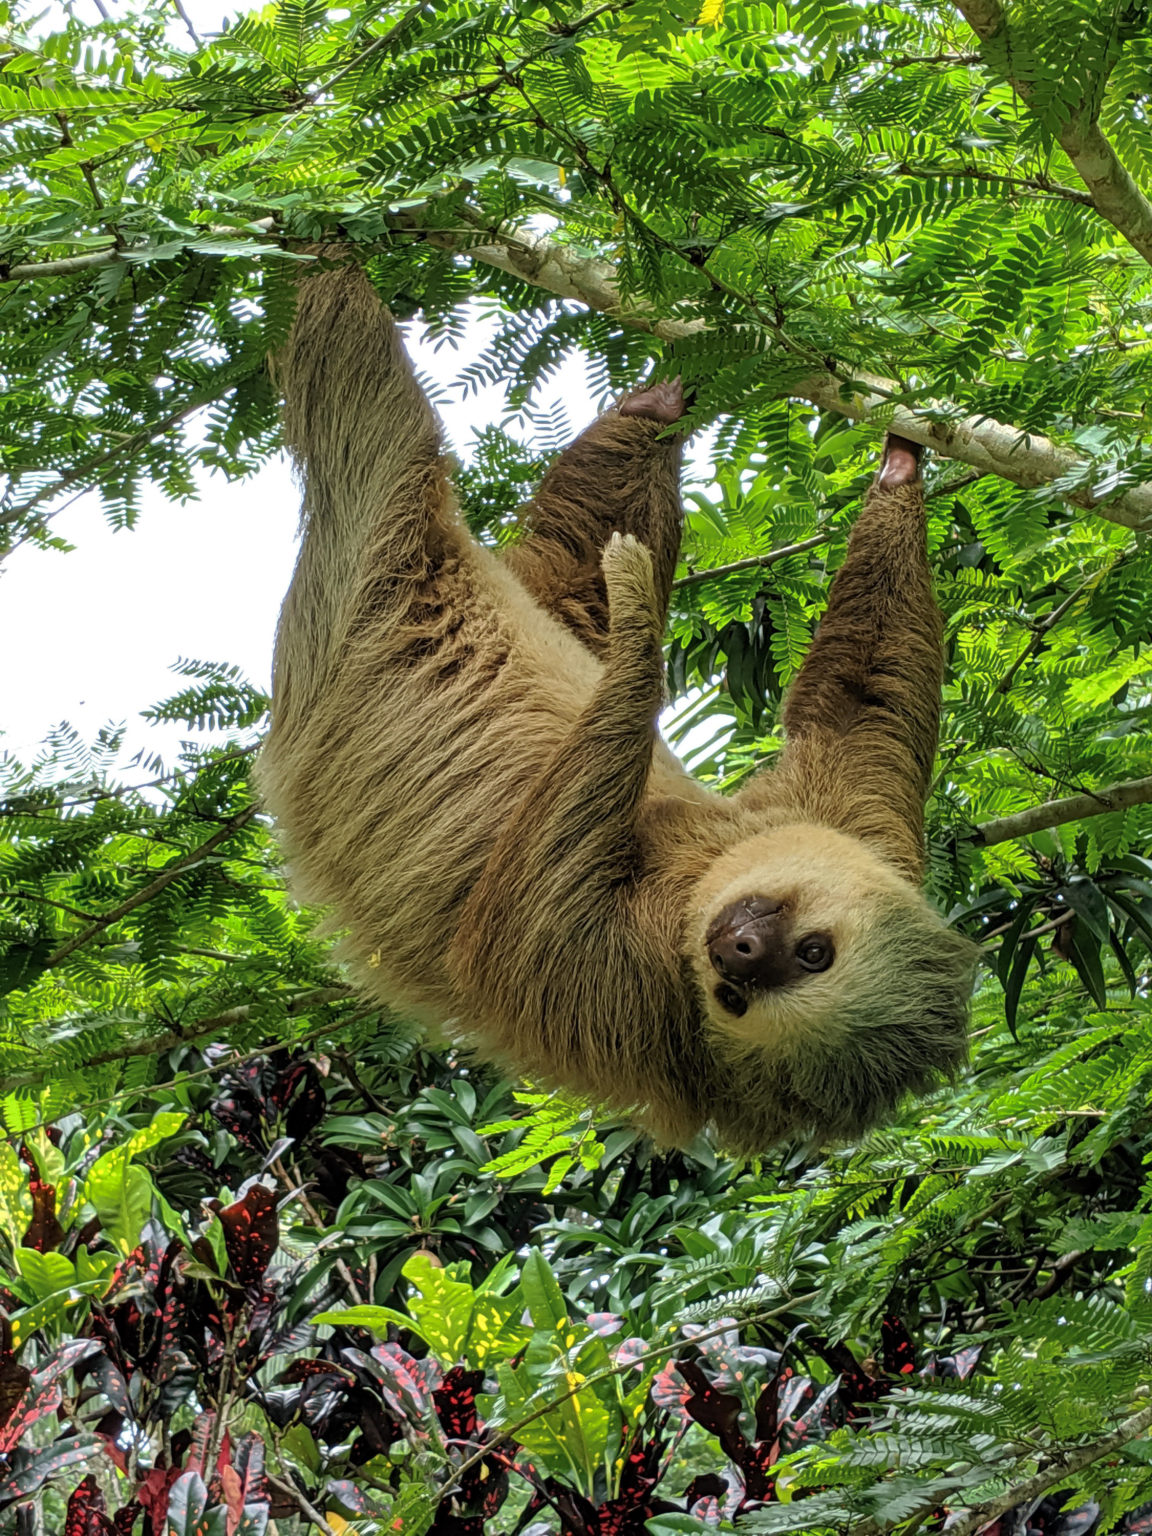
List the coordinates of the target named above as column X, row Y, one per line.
column 548, row 919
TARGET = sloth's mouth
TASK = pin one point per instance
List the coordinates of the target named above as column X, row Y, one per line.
column 732, row 1000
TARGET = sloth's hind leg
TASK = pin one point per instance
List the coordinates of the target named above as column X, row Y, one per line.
column 620, row 476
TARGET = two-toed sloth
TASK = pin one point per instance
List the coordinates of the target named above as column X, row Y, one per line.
column 465, row 766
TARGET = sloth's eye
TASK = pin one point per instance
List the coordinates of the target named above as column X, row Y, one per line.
column 815, row 953
column 732, row 1001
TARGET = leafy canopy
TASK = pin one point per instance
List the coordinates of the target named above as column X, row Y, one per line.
column 827, row 216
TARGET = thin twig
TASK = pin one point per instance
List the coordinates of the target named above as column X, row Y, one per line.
column 83, row 470
column 1039, row 1483
column 374, row 46
column 606, row 1374
column 1037, row 184
column 307, row 1509
column 1045, row 627
column 156, row 1045
column 125, row 1095
column 783, row 553
column 154, row 887
column 294, row 1183
column 187, row 20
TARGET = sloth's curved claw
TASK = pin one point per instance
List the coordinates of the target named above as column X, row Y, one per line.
column 900, row 464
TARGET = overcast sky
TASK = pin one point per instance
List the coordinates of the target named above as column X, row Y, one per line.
column 89, row 636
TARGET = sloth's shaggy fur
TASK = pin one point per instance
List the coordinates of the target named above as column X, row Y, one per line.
column 465, row 768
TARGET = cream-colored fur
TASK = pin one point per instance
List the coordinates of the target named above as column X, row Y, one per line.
column 466, row 772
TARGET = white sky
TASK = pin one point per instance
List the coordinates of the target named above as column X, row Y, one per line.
column 203, row 580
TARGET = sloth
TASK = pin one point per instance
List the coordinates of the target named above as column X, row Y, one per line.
column 465, row 768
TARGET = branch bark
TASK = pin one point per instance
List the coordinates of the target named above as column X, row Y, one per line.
column 1115, row 195
column 990, row 446
column 987, row 445
column 1055, row 813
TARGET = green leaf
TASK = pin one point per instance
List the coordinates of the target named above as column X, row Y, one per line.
column 542, row 1295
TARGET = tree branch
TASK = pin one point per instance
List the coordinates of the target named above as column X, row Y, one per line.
column 1037, row 184
column 88, row 467
column 990, row 446
column 1042, row 630
column 1114, row 193
column 65, row 266
column 1056, row 813
column 773, row 555
column 1062, row 1467
column 153, row 888
column 156, row 1045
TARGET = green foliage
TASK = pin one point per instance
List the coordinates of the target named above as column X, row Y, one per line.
column 961, row 1300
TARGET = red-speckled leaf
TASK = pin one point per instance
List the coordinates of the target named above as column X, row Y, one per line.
column 44, row 1231
column 604, row 1323
column 719, row 1413
column 124, row 1519
column 251, row 1233
column 898, row 1353
column 46, row 1464
column 43, row 1392
column 243, row 1488
column 40, row 1398
column 188, row 1512
column 198, row 1450
column 669, row 1390
column 110, row 1381
column 14, row 1379
column 86, row 1515
column 153, row 1495
column 308, row 1107
column 348, row 1496
column 455, row 1401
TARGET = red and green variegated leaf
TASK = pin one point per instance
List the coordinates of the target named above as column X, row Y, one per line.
column 86, row 1514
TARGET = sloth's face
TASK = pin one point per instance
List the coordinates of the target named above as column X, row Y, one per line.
column 781, row 925
column 829, row 986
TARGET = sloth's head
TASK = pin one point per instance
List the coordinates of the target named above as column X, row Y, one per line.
column 828, row 979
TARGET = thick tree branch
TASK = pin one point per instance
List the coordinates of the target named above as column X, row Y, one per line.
column 1115, row 195
column 992, row 447
column 989, row 446
column 1056, row 813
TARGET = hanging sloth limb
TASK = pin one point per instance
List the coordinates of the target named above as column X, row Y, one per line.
column 465, row 767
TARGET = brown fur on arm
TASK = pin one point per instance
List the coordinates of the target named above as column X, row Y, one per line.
column 862, row 717
column 619, row 476
column 548, row 920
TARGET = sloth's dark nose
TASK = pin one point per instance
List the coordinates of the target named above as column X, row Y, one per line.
column 744, row 943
